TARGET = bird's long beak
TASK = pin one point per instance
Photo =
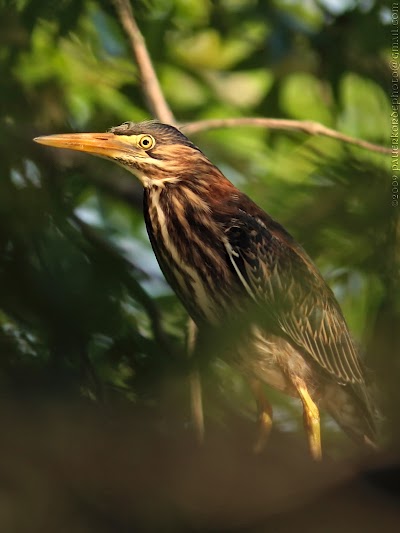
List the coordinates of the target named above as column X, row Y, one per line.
column 101, row 144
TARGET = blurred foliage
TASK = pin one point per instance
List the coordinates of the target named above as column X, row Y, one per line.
column 83, row 306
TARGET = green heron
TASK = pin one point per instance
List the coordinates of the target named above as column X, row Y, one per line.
column 223, row 255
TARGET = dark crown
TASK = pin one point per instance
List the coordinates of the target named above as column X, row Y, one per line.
column 163, row 133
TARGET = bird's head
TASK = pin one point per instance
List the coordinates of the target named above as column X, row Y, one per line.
column 155, row 153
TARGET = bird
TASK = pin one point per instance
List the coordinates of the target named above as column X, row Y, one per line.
column 228, row 261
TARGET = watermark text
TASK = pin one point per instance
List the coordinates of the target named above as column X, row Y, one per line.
column 395, row 101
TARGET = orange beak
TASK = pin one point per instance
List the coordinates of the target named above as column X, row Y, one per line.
column 100, row 144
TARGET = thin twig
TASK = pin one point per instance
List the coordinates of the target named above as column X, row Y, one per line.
column 196, row 396
column 161, row 110
column 150, row 84
column 307, row 126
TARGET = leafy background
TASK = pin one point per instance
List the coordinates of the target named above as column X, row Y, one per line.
column 85, row 314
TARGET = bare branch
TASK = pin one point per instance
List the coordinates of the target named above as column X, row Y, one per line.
column 196, row 397
column 307, row 126
column 150, row 84
column 161, row 110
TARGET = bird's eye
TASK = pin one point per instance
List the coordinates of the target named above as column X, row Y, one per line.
column 146, row 142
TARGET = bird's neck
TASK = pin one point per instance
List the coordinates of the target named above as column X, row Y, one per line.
column 204, row 187
column 187, row 236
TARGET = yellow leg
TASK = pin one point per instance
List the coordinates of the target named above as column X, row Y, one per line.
column 196, row 399
column 264, row 413
column 311, row 420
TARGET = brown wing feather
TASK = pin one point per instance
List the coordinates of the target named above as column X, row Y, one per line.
column 279, row 276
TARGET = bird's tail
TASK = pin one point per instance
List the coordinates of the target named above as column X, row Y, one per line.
column 354, row 410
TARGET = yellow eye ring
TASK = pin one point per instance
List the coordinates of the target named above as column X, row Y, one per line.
column 146, row 142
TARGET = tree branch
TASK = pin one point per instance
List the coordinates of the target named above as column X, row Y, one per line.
column 307, row 126
column 150, row 84
column 161, row 110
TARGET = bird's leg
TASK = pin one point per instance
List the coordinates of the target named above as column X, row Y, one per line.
column 264, row 414
column 196, row 400
column 311, row 420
